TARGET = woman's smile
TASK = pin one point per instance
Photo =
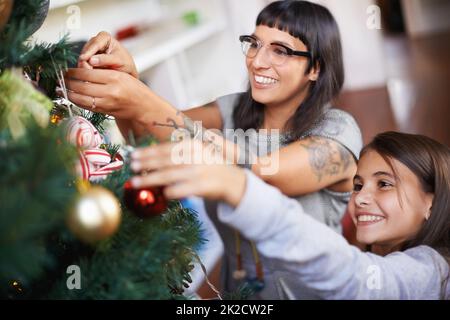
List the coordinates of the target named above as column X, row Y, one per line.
column 263, row 82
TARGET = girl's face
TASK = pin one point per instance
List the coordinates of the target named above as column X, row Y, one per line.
column 387, row 209
column 284, row 84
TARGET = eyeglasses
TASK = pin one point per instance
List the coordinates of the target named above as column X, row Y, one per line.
column 277, row 52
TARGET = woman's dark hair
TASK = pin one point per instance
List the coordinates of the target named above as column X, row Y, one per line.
column 430, row 162
column 316, row 28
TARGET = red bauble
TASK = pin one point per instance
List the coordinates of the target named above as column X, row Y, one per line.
column 145, row 202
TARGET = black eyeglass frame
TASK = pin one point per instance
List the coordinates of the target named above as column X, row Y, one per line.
column 289, row 51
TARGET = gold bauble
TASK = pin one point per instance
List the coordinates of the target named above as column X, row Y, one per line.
column 95, row 216
column 5, row 11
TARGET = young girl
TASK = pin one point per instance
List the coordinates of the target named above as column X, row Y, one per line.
column 400, row 206
column 294, row 62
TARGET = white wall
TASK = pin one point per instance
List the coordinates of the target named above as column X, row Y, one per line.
column 363, row 47
column 426, row 17
column 95, row 16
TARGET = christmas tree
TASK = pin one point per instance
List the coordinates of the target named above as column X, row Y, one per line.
column 47, row 250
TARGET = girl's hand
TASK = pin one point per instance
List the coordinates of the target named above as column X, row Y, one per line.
column 189, row 168
column 105, row 52
column 106, row 91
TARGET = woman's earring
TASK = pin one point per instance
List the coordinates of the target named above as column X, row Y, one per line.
column 427, row 216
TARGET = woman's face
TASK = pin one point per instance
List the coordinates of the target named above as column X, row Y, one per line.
column 386, row 210
column 284, row 84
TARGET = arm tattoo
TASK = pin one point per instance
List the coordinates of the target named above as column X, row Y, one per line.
column 194, row 130
column 346, row 157
column 327, row 158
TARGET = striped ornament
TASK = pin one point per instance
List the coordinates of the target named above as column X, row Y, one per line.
column 94, row 163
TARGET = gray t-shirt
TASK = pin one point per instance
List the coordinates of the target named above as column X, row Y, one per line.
column 325, row 206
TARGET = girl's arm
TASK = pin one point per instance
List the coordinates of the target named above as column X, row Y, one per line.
column 322, row 259
column 318, row 256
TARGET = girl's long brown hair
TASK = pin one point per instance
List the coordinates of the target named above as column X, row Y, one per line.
column 430, row 162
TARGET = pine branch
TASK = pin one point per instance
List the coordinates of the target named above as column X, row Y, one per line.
column 155, row 255
column 145, row 248
column 20, row 103
column 189, row 238
column 35, row 193
column 20, row 26
column 21, row 19
column 112, row 149
column 24, row 10
column 12, row 45
column 41, row 59
column 97, row 119
column 243, row 292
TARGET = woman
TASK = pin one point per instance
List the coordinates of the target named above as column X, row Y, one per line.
column 400, row 207
column 294, row 61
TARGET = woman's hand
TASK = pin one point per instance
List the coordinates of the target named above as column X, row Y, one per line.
column 105, row 52
column 189, row 168
column 107, row 91
column 129, row 100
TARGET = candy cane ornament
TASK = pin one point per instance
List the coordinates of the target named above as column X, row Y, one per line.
column 94, row 163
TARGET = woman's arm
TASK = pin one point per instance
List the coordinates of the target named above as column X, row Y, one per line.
column 128, row 99
column 322, row 259
column 302, row 167
column 308, row 165
column 208, row 115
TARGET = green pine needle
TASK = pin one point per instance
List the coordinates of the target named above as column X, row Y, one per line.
column 97, row 119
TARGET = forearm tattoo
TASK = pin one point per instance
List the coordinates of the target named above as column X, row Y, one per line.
column 327, row 158
column 194, row 130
